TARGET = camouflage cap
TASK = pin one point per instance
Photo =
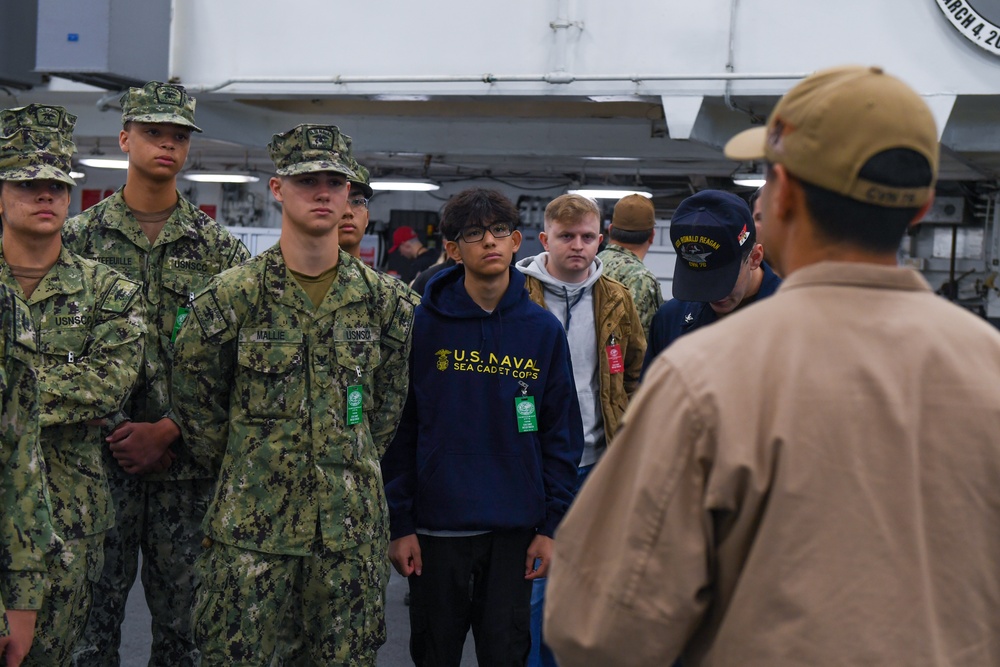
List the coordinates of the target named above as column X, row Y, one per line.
column 36, row 143
column 362, row 181
column 159, row 103
column 309, row 148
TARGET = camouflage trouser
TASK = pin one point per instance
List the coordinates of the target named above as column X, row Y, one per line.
column 269, row 610
column 60, row 623
column 164, row 520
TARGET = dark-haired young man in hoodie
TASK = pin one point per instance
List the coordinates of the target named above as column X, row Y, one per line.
column 483, row 465
column 605, row 335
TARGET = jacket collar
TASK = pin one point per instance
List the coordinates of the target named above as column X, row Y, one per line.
column 350, row 285
column 118, row 216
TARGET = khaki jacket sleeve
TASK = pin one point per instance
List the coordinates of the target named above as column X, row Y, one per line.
column 98, row 383
column 635, row 351
column 201, row 376
column 630, row 578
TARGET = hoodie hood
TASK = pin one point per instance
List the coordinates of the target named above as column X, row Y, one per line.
column 535, row 267
column 445, row 295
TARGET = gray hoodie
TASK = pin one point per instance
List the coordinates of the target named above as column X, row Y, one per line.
column 573, row 305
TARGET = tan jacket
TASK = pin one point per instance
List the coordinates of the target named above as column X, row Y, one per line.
column 811, row 481
column 616, row 316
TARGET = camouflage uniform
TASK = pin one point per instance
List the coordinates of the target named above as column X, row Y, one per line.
column 623, row 265
column 160, row 513
column 261, row 385
column 26, row 534
column 89, row 324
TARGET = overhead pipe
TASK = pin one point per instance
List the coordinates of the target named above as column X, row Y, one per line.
column 489, row 78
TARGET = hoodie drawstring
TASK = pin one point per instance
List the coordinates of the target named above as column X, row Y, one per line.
column 570, row 306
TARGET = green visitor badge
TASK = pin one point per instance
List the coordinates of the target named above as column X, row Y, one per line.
column 524, row 410
column 182, row 314
column 355, row 396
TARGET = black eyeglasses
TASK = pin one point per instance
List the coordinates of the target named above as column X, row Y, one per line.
column 475, row 233
column 358, row 202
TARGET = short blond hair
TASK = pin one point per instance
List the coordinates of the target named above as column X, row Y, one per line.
column 571, row 208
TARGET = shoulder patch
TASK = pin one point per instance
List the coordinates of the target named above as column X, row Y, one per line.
column 120, row 296
column 401, row 322
column 24, row 328
column 209, row 315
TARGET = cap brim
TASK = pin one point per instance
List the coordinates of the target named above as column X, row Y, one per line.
column 747, row 145
column 170, row 119
column 704, row 286
column 318, row 165
column 366, row 190
column 37, row 173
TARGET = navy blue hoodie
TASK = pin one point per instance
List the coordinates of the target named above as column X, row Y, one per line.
column 458, row 461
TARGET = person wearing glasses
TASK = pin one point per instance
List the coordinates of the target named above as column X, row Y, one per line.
column 483, row 465
column 720, row 267
column 354, row 223
column 605, row 336
column 289, row 379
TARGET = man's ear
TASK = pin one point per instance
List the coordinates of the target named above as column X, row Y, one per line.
column 274, row 185
column 544, row 238
column 756, row 256
column 516, row 239
column 451, row 247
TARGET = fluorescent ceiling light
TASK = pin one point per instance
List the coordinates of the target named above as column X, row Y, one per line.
column 614, row 98
column 77, row 175
column 104, row 163
column 401, row 98
column 221, row 177
column 608, row 193
column 612, row 159
column 405, row 185
column 749, row 180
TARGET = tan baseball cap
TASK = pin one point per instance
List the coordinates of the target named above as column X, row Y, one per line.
column 634, row 213
column 826, row 128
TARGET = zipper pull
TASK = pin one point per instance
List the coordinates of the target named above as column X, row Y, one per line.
column 70, row 357
column 190, row 297
column 358, row 370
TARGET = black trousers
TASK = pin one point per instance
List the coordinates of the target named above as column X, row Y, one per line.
column 475, row 582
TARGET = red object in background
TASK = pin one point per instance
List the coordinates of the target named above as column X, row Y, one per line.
column 209, row 209
column 89, row 197
column 368, row 255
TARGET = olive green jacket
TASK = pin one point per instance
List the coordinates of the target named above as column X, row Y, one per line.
column 190, row 249
column 89, row 321
column 261, row 382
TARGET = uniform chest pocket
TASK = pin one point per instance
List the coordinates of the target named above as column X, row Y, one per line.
column 65, row 345
column 271, row 382
column 360, row 357
column 178, row 289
